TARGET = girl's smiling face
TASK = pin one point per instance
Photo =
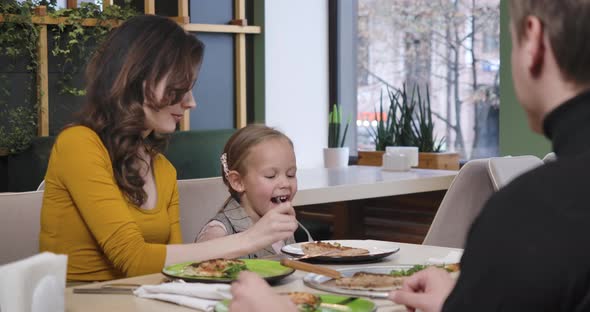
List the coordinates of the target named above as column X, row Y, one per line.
column 270, row 176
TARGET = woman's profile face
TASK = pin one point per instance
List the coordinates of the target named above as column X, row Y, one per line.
column 165, row 119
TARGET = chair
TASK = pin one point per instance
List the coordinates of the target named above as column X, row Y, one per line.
column 550, row 157
column 503, row 170
column 20, row 223
column 463, row 201
column 41, row 186
column 200, row 200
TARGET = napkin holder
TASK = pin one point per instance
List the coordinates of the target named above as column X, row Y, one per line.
column 34, row 284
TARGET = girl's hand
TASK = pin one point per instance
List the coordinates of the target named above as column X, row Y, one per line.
column 277, row 224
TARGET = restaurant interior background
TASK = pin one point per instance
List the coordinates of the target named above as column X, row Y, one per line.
column 303, row 56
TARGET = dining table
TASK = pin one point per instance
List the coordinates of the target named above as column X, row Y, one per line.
column 408, row 254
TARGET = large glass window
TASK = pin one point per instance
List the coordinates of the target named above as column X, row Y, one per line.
column 452, row 47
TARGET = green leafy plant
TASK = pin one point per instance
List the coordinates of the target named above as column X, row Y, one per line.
column 18, row 41
column 75, row 43
column 407, row 122
column 334, row 124
column 387, row 126
column 423, row 125
column 405, row 135
column 20, row 130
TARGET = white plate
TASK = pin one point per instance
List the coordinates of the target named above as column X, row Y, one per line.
column 377, row 250
column 318, row 281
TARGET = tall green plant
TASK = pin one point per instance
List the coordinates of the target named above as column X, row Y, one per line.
column 385, row 131
column 405, row 135
column 334, row 124
column 423, row 125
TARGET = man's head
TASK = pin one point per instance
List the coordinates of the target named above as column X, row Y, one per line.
column 550, row 53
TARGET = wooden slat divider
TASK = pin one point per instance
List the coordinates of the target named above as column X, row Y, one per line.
column 223, row 28
column 72, row 4
column 48, row 20
column 240, row 63
column 42, row 84
column 183, row 9
column 149, row 7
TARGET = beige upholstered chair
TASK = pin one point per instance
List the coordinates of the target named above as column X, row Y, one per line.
column 502, row 170
column 200, row 200
column 41, row 186
column 550, row 157
column 463, row 201
column 20, row 223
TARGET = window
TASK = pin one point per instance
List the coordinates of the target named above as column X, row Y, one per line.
column 452, row 47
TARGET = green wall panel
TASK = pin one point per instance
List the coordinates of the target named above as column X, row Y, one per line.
column 516, row 138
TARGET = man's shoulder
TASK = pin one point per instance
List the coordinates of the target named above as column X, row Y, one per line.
column 561, row 181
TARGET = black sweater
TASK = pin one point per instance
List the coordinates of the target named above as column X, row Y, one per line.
column 529, row 249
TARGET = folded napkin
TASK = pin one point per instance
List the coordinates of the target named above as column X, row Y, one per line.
column 453, row 257
column 34, row 284
column 193, row 295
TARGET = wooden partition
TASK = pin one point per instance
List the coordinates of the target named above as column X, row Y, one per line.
column 238, row 26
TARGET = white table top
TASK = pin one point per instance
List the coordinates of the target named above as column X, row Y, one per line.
column 320, row 185
column 408, row 254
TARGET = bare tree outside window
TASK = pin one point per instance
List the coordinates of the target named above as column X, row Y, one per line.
column 452, row 47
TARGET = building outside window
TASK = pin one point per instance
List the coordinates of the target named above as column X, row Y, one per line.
column 451, row 46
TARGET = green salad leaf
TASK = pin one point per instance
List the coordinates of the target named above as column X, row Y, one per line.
column 233, row 270
column 416, row 268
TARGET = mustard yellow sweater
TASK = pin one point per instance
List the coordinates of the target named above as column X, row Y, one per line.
column 86, row 216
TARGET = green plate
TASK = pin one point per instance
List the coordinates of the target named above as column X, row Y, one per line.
column 271, row 271
column 351, row 304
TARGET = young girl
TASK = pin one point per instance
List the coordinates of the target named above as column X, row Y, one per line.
column 259, row 169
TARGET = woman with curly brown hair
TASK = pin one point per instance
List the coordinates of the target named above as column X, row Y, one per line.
column 111, row 199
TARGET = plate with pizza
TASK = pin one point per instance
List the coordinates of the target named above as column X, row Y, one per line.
column 373, row 282
column 341, row 250
column 226, row 270
column 308, row 302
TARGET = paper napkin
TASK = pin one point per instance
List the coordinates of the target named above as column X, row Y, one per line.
column 199, row 296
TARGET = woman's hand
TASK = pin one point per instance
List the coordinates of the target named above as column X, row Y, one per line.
column 426, row 290
column 277, row 224
column 252, row 294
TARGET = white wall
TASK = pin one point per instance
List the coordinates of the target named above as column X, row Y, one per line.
column 296, row 70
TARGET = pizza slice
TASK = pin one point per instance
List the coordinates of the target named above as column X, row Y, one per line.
column 383, row 281
column 331, row 249
column 228, row 268
column 305, row 302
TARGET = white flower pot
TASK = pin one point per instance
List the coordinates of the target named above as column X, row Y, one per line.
column 336, row 157
column 411, row 152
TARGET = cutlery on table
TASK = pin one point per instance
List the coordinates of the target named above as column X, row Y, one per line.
column 308, row 267
column 114, row 288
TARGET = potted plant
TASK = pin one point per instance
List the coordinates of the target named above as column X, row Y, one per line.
column 384, row 133
column 430, row 154
column 336, row 155
column 408, row 122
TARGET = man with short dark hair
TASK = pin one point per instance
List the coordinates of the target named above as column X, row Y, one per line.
column 528, row 249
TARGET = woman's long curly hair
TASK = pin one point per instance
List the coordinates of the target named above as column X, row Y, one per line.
column 122, row 77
